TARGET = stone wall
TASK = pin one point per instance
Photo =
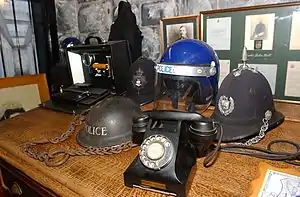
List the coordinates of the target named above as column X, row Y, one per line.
column 80, row 18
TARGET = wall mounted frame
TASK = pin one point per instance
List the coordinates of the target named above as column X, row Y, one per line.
column 173, row 28
column 271, row 35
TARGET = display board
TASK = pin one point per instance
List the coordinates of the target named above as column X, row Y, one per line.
column 271, row 34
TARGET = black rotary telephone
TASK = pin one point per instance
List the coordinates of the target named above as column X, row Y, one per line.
column 170, row 143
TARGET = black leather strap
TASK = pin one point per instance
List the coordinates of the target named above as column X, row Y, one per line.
column 87, row 40
column 267, row 153
column 253, row 151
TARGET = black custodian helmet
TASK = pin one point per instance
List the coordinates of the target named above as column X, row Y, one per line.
column 109, row 123
column 245, row 105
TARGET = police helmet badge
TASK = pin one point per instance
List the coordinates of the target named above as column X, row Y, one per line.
column 226, row 105
column 139, row 80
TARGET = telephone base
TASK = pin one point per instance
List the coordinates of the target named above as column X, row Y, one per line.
column 136, row 177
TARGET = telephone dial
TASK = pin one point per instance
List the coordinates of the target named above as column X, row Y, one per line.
column 170, row 143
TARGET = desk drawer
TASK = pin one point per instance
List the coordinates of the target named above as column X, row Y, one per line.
column 19, row 184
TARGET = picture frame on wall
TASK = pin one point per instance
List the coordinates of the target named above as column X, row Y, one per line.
column 178, row 28
column 152, row 12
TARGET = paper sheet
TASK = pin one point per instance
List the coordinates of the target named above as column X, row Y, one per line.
column 259, row 27
column 224, row 70
column 292, row 83
column 278, row 184
column 295, row 32
column 218, row 33
column 269, row 71
column 76, row 68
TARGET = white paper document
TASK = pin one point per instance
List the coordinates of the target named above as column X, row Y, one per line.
column 295, row 32
column 76, row 68
column 218, row 33
column 259, row 28
column 224, row 70
column 278, row 184
column 292, row 83
column 269, row 71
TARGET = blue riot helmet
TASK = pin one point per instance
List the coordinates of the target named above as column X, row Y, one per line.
column 69, row 41
column 187, row 75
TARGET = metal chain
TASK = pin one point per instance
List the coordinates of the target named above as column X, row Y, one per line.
column 59, row 156
column 262, row 130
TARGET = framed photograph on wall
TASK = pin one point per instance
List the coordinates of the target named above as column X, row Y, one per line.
column 178, row 28
column 152, row 12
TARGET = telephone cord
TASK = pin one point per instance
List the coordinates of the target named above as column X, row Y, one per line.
column 266, row 153
column 212, row 156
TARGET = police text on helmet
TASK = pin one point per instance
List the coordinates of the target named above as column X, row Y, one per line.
column 96, row 130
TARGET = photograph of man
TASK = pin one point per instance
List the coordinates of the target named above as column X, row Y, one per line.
column 182, row 33
column 260, row 30
column 179, row 32
column 258, row 44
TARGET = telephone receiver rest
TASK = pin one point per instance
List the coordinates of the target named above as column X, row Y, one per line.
column 200, row 127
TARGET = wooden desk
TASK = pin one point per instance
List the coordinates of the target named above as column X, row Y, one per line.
column 102, row 176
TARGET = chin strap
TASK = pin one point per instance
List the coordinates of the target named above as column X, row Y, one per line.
column 179, row 94
column 262, row 131
column 174, row 98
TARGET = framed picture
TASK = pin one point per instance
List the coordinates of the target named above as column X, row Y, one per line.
column 178, row 28
column 14, row 101
column 274, row 181
column 152, row 12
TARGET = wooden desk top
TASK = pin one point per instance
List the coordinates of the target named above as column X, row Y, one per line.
column 103, row 175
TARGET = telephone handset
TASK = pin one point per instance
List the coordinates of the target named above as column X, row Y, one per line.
column 170, row 142
column 174, row 115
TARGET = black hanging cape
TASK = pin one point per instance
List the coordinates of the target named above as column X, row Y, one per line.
column 125, row 28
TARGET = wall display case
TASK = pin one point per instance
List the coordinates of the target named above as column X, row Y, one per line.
column 271, row 35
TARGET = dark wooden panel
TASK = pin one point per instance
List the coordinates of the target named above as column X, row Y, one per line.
column 19, row 184
column 1, row 188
